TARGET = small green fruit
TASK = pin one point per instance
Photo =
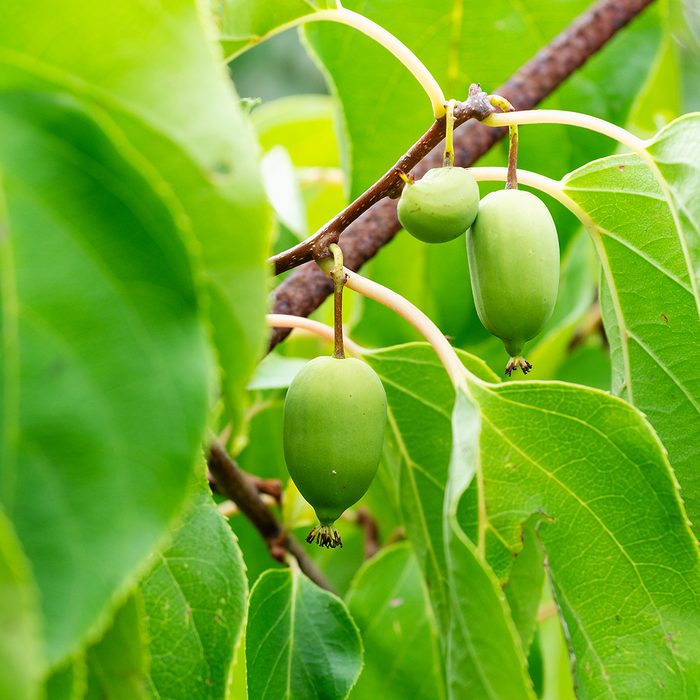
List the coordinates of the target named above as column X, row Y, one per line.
column 334, row 420
column 440, row 206
column 513, row 254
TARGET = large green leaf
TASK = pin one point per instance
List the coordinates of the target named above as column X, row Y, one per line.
column 300, row 641
column 118, row 664
column 622, row 560
column 105, row 369
column 21, row 660
column 390, row 605
column 621, row 557
column 152, row 68
column 195, row 600
column 648, row 239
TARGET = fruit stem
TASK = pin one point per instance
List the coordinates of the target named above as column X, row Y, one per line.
column 449, row 157
column 320, row 329
column 457, row 372
column 506, row 106
column 338, row 275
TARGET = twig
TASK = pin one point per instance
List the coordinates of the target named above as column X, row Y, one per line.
column 389, row 185
column 233, row 483
column 268, row 487
column 307, row 287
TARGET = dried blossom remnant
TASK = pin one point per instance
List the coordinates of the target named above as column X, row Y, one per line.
column 326, row 536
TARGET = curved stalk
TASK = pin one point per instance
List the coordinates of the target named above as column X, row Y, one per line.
column 561, row 116
column 451, row 362
column 391, row 44
column 338, row 278
column 448, row 158
column 540, row 182
column 316, row 327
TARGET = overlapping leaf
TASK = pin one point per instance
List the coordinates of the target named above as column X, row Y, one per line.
column 621, row 556
column 102, row 319
column 104, row 362
column 483, row 652
column 420, row 402
column 620, row 553
column 152, row 68
column 648, row 235
column 117, row 666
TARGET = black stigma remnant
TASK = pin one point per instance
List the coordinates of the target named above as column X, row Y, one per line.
column 326, row 536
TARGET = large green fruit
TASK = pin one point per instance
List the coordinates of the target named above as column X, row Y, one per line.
column 334, row 420
column 440, row 206
column 513, row 254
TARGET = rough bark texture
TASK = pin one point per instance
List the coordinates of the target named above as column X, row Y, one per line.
column 307, row 287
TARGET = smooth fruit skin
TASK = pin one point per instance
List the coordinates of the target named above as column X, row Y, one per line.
column 440, row 206
column 513, row 252
column 334, row 421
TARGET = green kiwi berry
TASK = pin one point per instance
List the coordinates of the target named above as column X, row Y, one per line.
column 513, row 253
column 440, row 206
column 334, row 421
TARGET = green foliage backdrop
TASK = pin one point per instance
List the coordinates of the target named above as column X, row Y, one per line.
column 522, row 539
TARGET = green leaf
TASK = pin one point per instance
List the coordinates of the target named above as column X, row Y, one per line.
column 300, row 641
column 420, row 402
column 484, row 657
column 557, row 661
column 152, row 69
column 649, row 244
column 21, row 660
column 303, row 124
column 118, row 664
column 676, row 152
column 390, row 605
column 101, row 342
column 68, row 681
column 621, row 557
column 195, row 600
column 523, row 588
column 244, row 23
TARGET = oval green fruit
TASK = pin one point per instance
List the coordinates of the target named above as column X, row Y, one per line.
column 334, row 421
column 440, row 206
column 513, row 252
